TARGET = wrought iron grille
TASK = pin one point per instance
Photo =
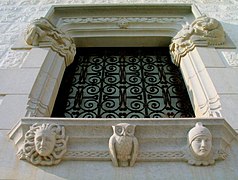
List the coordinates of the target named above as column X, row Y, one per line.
column 122, row 83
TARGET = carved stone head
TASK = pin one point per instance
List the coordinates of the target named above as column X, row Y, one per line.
column 44, row 141
column 200, row 140
column 37, row 30
column 44, row 144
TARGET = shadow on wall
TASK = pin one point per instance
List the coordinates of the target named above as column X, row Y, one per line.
column 87, row 170
column 232, row 31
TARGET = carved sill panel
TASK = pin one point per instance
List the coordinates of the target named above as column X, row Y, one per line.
column 154, row 139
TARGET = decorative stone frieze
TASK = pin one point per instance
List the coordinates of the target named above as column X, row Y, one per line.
column 120, row 19
column 203, row 31
column 44, row 144
column 121, row 22
column 123, row 145
column 160, row 140
column 41, row 32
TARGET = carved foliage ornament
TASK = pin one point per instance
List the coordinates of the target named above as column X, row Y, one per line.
column 202, row 31
column 44, row 144
column 123, row 145
column 43, row 31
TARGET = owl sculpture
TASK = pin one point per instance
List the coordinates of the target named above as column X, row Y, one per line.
column 123, row 145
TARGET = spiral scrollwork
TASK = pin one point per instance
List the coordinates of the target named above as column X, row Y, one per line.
column 125, row 83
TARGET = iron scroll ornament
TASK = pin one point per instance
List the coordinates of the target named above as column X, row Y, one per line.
column 122, row 83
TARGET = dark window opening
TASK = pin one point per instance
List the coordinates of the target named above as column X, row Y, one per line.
column 122, row 83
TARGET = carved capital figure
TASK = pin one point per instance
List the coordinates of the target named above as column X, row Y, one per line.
column 202, row 31
column 43, row 31
column 44, row 144
column 199, row 150
column 123, row 145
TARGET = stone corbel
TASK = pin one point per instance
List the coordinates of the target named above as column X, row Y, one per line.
column 41, row 32
column 203, row 31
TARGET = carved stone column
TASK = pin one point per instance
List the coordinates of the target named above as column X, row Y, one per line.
column 202, row 32
column 59, row 50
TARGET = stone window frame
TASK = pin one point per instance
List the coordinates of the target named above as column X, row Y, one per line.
column 127, row 26
column 136, row 27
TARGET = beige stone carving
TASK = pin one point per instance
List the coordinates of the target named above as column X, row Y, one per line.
column 199, row 150
column 123, row 145
column 118, row 20
column 42, row 31
column 231, row 58
column 44, row 144
column 209, row 29
column 201, row 32
column 13, row 59
column 158, row 140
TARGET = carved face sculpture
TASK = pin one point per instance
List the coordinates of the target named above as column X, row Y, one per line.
column 200, row 140
column 44, row 142
column 124, row 129
column 202, row 145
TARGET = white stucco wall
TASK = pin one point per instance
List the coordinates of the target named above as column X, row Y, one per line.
column 17, row 79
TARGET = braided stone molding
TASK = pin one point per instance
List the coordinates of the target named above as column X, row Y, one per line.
column 87, row 155
column 203, row 31
column 142, row 156
column 162, row 156
column 41, row 32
